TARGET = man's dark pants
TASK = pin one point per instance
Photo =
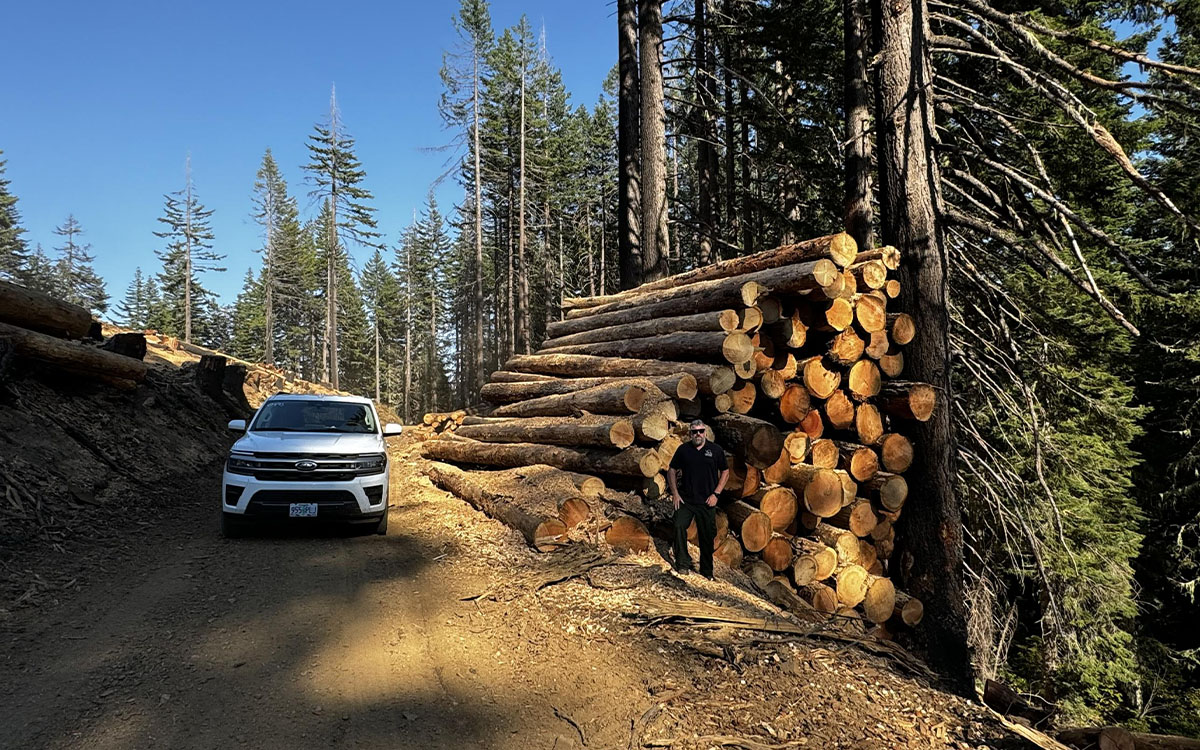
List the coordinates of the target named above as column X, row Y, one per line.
column 706, row 533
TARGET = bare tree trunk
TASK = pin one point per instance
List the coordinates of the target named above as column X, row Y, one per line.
column 332, row 324
column 858, row 124
column 747, row 222
column 522, row 269
column 511, row 308
column 930, row 547
column 732, row 218
column 654, row 143
column 705, row 153
column 587, row 226
column 408, row 341
column 477, row 355
column 187, row 258
column 603, row 234
column 629, row 202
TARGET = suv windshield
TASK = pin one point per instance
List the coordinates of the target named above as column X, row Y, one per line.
column 293, row 415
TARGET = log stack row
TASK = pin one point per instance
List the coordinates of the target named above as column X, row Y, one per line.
column 792, row 358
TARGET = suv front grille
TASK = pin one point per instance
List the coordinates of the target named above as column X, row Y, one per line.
column 304, row 476
column 282, row 467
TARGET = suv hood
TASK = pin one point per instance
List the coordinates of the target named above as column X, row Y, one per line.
column 309, row 442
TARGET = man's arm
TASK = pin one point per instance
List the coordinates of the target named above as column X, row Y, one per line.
column 674, row 489
column 724, row 477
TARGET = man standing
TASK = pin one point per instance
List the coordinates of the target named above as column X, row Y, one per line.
column 697, row 475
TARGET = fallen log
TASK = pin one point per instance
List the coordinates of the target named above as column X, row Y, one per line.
column 778, row 554
column 628, row 534
column 678, row 386
column 901, row 328
column 715, row 320
column 840, row 248
column 715, row 294
column 729, row 552
column 617, row 433
column 909, row 610
column 821, row 488
column 127, row 345
column 711, row 379
column 870, row 311
column 1117, row 738
column 71, row 356
column 35, row 311
column 687, row 346
column 752, row 525
column 504, row 376
column 632, row 462
column 543, row 532
column 859, row 518
column 820, row 381
column 759, row 443
column 779, row 503
column 896, row 452
column 908, row 400
column 879, row 601
column 617, row 397
column 860, row 461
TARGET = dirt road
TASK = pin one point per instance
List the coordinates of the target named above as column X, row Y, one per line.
column 303, row 640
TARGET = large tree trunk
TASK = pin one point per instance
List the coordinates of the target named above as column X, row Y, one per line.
column 930, row 560
column 680, row 386
column 715, row 320
column 653, row 142
column 71, row 356
column 711, row 379
column 45, row 314
column 688, row 346
column 616, row 433
column 522, row 265
column 706, row 153
column 629, row 102
column 631, row 462
column 858, row 122
column 477, row 354
column 543, row 531
column 617, row 397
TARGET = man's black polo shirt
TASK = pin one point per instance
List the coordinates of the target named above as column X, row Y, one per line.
column 700, row 469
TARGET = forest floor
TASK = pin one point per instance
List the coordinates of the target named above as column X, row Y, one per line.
column 167, row 635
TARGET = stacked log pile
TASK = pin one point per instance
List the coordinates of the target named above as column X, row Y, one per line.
column 45, row 331
column 792, row 358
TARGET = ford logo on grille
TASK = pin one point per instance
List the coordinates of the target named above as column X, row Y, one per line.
column 306, row 465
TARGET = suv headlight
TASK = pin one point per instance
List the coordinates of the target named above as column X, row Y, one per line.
column 373, row 464
column 241, row 464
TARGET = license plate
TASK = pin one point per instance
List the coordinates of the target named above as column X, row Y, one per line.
column 302, row 510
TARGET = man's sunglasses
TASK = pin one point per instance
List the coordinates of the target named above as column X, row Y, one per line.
column 697, row 432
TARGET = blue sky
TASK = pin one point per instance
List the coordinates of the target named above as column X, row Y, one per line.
column 104, row 101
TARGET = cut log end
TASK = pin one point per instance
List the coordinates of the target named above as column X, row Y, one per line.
column 628, row 534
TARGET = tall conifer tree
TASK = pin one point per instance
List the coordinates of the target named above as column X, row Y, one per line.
column 12, row 247
column 187, row 254
column 77, row 282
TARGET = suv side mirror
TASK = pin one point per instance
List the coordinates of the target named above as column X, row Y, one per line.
column 391, row 428
column 237, row 425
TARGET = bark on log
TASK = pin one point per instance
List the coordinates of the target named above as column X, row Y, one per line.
column 821, row 597
column 869, row 274
column 617, row 433
column 631, row 462
column 772, row 384
column 821, row 561
column 908, row 400
column 790, row 332
column 716, row 294
column 777, row 472
column 759, row 443
column 35, row 311
column 617, row 397
column 752, row 525
column 715, row 320
column 542, row 532
column 781, row 594
column 839, row 248
column 711, row 379
column 758, row 572
column 678, row 386
column 1117, row 738
column 73, row 357
column 651, row 426
column 504, row 376
column 733, row 347
column 845, row 543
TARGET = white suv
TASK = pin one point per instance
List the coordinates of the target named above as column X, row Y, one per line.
column 308, row 456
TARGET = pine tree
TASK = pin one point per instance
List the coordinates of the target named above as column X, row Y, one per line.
column 248, row 320
column 187, row 254
column 337, row 176
column 40, row 273
column 134, row 308
column 462, row 75
column 13, row 253
column 381, row 297
column 78, row 282
column 277, row 214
